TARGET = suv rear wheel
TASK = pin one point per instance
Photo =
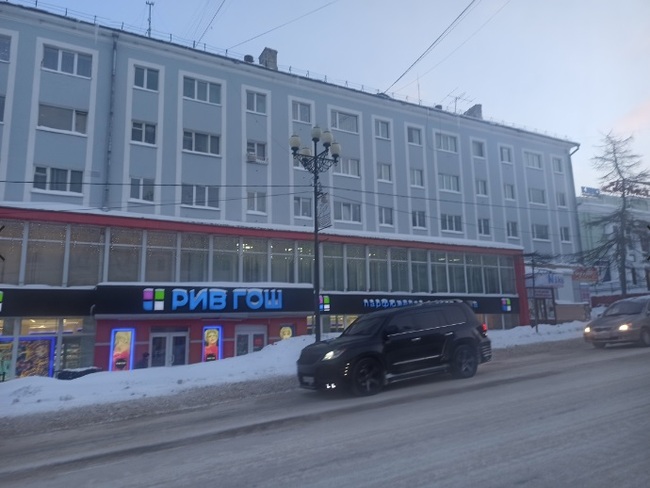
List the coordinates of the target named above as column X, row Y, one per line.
column 464, row 362
column 367, row 377
column 645, row 337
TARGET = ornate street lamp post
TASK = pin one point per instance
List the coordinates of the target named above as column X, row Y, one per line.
column 316, row 163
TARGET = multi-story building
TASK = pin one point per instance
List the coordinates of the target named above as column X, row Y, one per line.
column 594, row 204
column 149, row 195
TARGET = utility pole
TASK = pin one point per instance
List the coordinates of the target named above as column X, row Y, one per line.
column 150, row 4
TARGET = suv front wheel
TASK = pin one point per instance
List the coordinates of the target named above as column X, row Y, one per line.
column 367, row 377
column 464, row 362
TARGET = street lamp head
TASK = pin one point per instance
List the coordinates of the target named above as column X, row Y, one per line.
column 294, row 143
column 315, row 133
column 305, row 152
column 335, row 149
column 327, row 139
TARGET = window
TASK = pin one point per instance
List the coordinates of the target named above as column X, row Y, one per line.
column 5, row 48
column 385, row 216
column 384, row 172
column 505, row 153
column 67, row 61
column 450, row 223
column 445, row 142
column 146, row 78
column 449, row 182
column 203, row 91
column 256, row 102
column 347, row 212
column 65, row 119
column 382, row 129
column 57, row 179
column 564, row 234
column 533, row 160
column 200, row 195
column 540, row 231
column 256, row 151
column 509, row 191
column 561, row 199
column 478, row 149
column 558, row 165
column 536, row 195
column 142, row 189
column 201, row 143
column 143, row 132
column 481, row 187
column 417, row 177
column 484, row 227
column 512, row 229
column 344, row 121
column 301, row 112
column 350, row 167
column 418, row 219
column 302, row 207
column 256, row 202
column 414, row 136
column 2, row 108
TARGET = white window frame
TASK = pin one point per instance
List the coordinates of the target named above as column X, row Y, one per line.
column 303, row 207
column 505, row 151
column 417, row 177
column 561, row 199
column 384, row 172
column 44, row 180
column 142, row 185
column 509, row 191
column 143, row 129
column 418, row 219
column 451, row 223
column 81, row 70
column 533, row 159
column 382, row 129
column 565, row 234
column 411, row 133
column 196, row 95
column 386, row 216
column 256, row 102
column 512, row 229
column 483, row 227
column 257, row 150
column 340, row 121
column 449, row 182
column 147, row 76
column 297, row 112
column 77, row 118
column 256, row 202
column 481, row 187
column 478, row 149
column 540, row 229
column 211, row 140
column 347, row 212
column 5, row 48
column 202, row 196
column 534, row 193
column 348, row 167
column 558, row 164
column 446, row 142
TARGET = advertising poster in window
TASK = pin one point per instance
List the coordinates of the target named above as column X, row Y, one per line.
column 122, row 349
column 287, row 331
column 35, row 357
column 211, row 343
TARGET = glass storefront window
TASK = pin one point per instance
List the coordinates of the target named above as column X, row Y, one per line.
column 45, row 252
column 333, row 267
column 439, row 273
column 305, row 262
column 456, row 273
column 378, row 264
column 11, row 244
column 420, row 271
column 225, row 259
column 356, row 266
column 282, row 260
column 86, row 255
column 124, row 255
column 255, row 259
column 161, row 256
column 194, row 257
column 399, row 269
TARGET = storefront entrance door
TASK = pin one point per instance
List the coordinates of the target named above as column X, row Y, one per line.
column 168, row 348
column 249, row 338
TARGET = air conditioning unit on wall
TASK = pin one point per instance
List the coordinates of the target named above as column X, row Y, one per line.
column 251, row 157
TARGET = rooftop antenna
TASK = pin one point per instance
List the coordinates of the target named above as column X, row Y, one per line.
column 460, row 97
column 150, row 4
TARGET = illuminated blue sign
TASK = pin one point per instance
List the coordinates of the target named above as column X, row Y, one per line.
column 218, row 299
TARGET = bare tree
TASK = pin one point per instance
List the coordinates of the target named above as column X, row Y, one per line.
column 621, row 177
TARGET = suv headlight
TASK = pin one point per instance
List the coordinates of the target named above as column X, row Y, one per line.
column 333, row 354
column 624, row 327
column 587, row 330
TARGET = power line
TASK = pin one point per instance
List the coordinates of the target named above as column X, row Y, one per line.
column 212, row 20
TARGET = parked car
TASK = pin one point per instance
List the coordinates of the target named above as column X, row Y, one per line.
column 626, row 320
column 397, row 344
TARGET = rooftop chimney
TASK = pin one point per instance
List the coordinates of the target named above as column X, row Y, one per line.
column 269, row 58
column 475, row 111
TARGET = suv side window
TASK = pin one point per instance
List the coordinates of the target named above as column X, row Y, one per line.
column 454, row 315
column 401, row 323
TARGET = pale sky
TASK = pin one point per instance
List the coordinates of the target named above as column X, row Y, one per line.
column 571, row 68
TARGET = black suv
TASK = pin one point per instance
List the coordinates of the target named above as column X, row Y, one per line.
column 398, row 344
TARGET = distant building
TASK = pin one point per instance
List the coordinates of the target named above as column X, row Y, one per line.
column 148, row 197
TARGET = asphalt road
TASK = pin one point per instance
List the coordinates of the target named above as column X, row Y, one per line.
column 566, row 415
